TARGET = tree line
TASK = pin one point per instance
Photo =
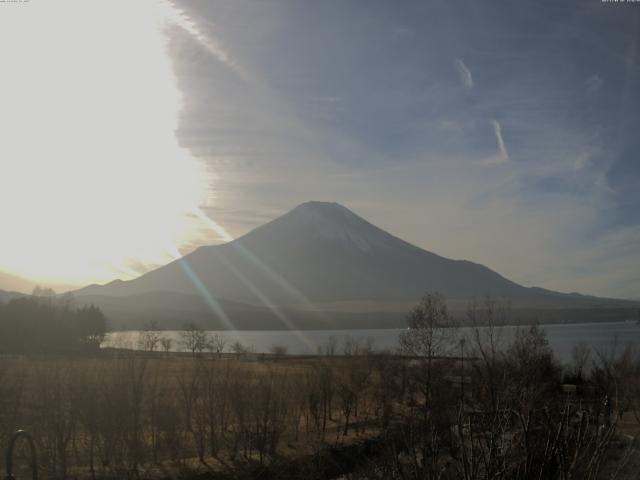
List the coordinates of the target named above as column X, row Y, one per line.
column 47, row 323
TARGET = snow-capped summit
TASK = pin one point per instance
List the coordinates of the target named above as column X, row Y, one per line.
column 324, row 221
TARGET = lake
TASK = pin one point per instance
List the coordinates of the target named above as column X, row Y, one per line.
column 562, row 338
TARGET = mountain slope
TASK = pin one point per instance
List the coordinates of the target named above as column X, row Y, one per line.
column 6, row 296
column 13, row 283
column 322, row 253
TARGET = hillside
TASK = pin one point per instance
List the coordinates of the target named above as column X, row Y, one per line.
column 314, row 257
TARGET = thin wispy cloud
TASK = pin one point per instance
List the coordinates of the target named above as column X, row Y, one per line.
column 594, row 83
column 583, row 160
column 503, row 154
column 180, row 19
column 465, row 74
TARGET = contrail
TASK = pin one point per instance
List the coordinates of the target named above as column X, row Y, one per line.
column 503, row 155
column 465, row 73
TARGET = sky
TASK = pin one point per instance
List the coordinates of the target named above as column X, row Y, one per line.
column 500, row 132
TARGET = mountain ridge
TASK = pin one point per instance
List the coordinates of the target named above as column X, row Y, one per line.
column 322, row 252
column 321, row 236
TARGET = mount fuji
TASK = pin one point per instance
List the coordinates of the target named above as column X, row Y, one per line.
column 320, row 262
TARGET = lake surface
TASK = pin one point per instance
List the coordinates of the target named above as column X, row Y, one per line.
column 562, row 338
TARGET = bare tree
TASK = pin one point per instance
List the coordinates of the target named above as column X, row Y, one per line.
column 278, row 350
column 357, row 346
column 486, row 320
column 149, row 337
column 56, row 420
column 350, row 346
column 331, row 346
column 216, row 343
column 239, row 348
column 166, row 343
column 350, row 383
column 430, row 334
column 616, row 375
column 580, row 355
column 193, row 338
column 426, row 424
column 268, row 412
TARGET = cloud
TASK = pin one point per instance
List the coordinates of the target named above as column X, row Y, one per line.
column 585, row 158
column 593, row 83
column 324, row 123
column 210, row 43
column 503, row 154
column 465, row 74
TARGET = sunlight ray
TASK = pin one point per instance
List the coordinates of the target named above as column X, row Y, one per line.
column 267, row 303
column 218, row 229
column 211, row 301
column 276, row 277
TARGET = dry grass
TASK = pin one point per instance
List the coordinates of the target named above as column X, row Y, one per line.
column 161, row 415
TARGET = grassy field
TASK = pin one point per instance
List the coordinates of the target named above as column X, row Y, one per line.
column 126, row 414
column 171, row 414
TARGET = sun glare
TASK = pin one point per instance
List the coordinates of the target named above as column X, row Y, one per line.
column 93, row 182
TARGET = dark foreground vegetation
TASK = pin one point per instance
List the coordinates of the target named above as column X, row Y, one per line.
column 442, row 408
column 46, row 323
